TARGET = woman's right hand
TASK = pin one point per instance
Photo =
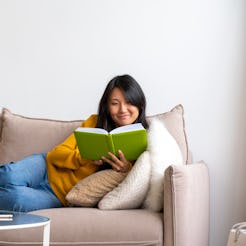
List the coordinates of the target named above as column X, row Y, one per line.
column 119, row 164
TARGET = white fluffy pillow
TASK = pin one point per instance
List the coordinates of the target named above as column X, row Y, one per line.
column 164, row 151
column 131, row 192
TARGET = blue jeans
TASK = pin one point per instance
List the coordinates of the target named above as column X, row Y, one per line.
column 24, row 185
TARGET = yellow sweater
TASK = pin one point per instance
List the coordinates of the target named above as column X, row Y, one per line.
column 65, row 166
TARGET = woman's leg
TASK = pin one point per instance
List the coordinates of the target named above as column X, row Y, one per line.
column 29, row 171
column 24, row 185
column 24, row 199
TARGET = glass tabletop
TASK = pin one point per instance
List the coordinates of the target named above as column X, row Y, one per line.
column 10, row 218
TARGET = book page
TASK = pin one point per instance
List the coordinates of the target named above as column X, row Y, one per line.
column 128, row 128
column 93, row 130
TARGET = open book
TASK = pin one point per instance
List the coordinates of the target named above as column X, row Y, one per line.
column 93, row 143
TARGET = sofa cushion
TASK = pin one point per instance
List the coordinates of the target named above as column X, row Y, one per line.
column 94, row 227
column 22, row 136
column 91, row 189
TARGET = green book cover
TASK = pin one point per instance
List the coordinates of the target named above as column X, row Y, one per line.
column 93, row 143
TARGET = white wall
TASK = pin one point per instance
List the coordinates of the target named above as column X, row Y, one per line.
column 57, row 56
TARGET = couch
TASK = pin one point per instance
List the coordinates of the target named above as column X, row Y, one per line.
column 183, row 221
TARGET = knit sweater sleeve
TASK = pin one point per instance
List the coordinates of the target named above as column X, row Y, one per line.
column 66, row 154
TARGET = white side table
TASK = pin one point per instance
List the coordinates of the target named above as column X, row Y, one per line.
column 25, row 220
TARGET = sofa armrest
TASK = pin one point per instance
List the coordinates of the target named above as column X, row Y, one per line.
column 186, row 205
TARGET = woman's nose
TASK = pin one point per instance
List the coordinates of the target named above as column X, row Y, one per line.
column 123, row 107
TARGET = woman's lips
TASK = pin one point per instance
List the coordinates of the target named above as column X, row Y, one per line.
column 123, row 117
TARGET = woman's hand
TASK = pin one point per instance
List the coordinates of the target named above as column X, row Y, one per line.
column 119, row 164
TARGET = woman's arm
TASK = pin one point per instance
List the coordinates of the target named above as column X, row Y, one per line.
column 66, row 155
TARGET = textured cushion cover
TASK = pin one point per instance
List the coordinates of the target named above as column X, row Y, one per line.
column 131, row 192
column 22, row 136
column 90, row 190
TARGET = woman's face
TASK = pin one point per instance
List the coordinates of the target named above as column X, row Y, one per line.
column 121, row 111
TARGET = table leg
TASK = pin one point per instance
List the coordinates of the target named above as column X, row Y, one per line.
column 46, row 235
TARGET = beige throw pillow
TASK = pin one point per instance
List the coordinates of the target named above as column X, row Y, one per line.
column 91, row 189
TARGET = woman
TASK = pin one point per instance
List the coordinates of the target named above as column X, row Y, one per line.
column 43, row 180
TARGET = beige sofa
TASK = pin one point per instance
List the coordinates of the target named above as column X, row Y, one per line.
column 184, row 220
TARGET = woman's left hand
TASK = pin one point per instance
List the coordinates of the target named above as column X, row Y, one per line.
column 119, row 164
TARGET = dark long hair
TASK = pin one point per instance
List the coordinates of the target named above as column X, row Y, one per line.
column 133, row 94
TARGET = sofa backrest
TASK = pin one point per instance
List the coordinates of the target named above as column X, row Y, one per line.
column 21, row 136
